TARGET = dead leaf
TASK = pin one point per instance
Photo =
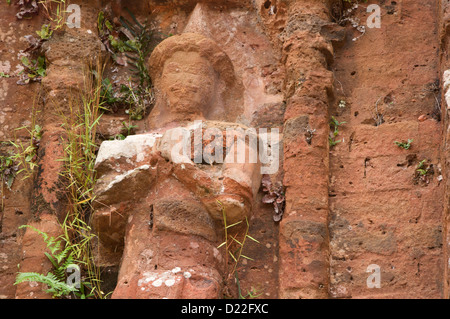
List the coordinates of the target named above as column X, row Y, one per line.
column 27, row 8
column 274, row 196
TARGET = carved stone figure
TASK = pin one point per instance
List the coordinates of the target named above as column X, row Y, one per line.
column 158, row 216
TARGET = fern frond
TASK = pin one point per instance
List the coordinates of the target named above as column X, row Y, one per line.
column 29, row 276
column 128, row 26
column 134, row 18
column 52, row 243
column 52, row 260
column 63, row 254
column 56, row 287
column 44, row 235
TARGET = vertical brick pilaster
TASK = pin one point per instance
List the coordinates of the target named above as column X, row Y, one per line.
column 444, row 26
column 67, row 53
column 304, row 252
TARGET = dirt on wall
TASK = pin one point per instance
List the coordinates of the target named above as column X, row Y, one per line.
column 357, row 90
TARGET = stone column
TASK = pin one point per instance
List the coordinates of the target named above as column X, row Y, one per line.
column 304, row 253
column 68, row 53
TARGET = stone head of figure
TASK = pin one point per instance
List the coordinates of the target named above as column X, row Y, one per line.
column 194, row 79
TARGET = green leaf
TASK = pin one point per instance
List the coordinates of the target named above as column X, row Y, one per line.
column 421, row 164
column 52, row 260
column 131, row 45
column 56, row 287
column 422, row 171
column 109, row 25
column 232, row 256
column 253, row 239
column 246, row 257
column 240, row 244
column 232, row 225
column 10, row 181
column 25, row 61
column 131, row 57
column 134, row 18
column 100, row 19
column 40, row 61
column 224, row 243
column 126, row 24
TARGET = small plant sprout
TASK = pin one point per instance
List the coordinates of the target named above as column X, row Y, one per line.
column 252, row 294
column 26, row 153
column 127, row 130
column 423, row 172
column 55, row 12
column 421, row 168
column 333, row 142
column 404, row 145
column 34, row 70
column 45, row 33
column 334, row 125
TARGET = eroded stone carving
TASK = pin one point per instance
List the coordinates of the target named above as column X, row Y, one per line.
column 157, row 215
column 194, row 80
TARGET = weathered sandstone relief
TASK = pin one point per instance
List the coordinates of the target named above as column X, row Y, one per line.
column 351, row 201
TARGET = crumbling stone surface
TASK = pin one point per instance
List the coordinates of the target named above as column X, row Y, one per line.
column 180, row 201
column 285, row 64
column 379, row 213
column 170, row 201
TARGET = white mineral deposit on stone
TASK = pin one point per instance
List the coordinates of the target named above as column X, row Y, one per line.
column 446, row 78
column 187, row 274
column 130, row 174
column 194, row 245
column 157, row 283
column 133, row 145
column 176, row 269
column 216, row 252
column 170, row 282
